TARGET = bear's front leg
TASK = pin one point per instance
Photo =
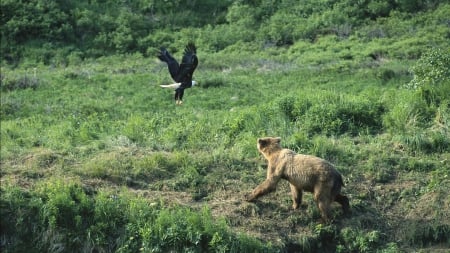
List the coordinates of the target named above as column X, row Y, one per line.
column 296, row 196
column 269, row 185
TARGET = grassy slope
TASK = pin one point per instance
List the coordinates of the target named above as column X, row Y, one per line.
column 106, row 124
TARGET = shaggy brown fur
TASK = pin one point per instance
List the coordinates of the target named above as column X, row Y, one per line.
column 304, row 173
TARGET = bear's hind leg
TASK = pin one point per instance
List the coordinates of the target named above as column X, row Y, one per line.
column 296, row 196
column 324, row 207
column 323, row 200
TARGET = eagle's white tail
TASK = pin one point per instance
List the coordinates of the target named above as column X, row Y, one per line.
column 173, row 86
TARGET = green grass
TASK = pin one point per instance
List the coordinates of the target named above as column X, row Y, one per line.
column 95, row 156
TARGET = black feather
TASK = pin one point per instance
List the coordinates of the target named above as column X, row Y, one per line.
column 172, row 64
column 188, row 64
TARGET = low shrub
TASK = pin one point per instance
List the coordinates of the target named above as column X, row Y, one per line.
column 427, row 142
column 358, row 241
column 406, row 112
column 333, row 114
column 20, row 224
column 424, row 233
column 18, row 83
column 67, row 217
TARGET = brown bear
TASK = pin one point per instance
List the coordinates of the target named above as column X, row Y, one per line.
column 304, row 173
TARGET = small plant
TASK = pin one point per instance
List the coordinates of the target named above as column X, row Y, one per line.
column 385, row 75
column 212, row 83
column 135, row 129
column 358, row 241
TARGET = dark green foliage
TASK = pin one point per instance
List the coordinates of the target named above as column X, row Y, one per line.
column 65, row 216
column 103, row 27
column 20, row 212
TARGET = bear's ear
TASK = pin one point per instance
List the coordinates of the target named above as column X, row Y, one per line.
column 262, row 142
column 277, row 140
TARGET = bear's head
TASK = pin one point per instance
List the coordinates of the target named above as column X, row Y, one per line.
column 268, row 145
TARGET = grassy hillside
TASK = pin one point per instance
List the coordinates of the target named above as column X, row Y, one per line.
column 96, row 157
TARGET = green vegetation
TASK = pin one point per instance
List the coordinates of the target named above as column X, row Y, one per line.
column 96, row 157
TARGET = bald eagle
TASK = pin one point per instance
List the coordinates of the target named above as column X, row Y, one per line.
column 181, row 73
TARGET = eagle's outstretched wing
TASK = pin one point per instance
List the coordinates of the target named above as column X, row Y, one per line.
column 188, row 64
column 165, row 56
column 181, row 73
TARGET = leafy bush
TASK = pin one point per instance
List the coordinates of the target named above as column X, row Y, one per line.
column 281, row 29
column 356, row 241
column 184, row 230
column 65, row 214
column 430, row 72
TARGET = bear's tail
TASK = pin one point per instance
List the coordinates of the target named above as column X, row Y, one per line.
column 338, row 183
column 341, row 181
